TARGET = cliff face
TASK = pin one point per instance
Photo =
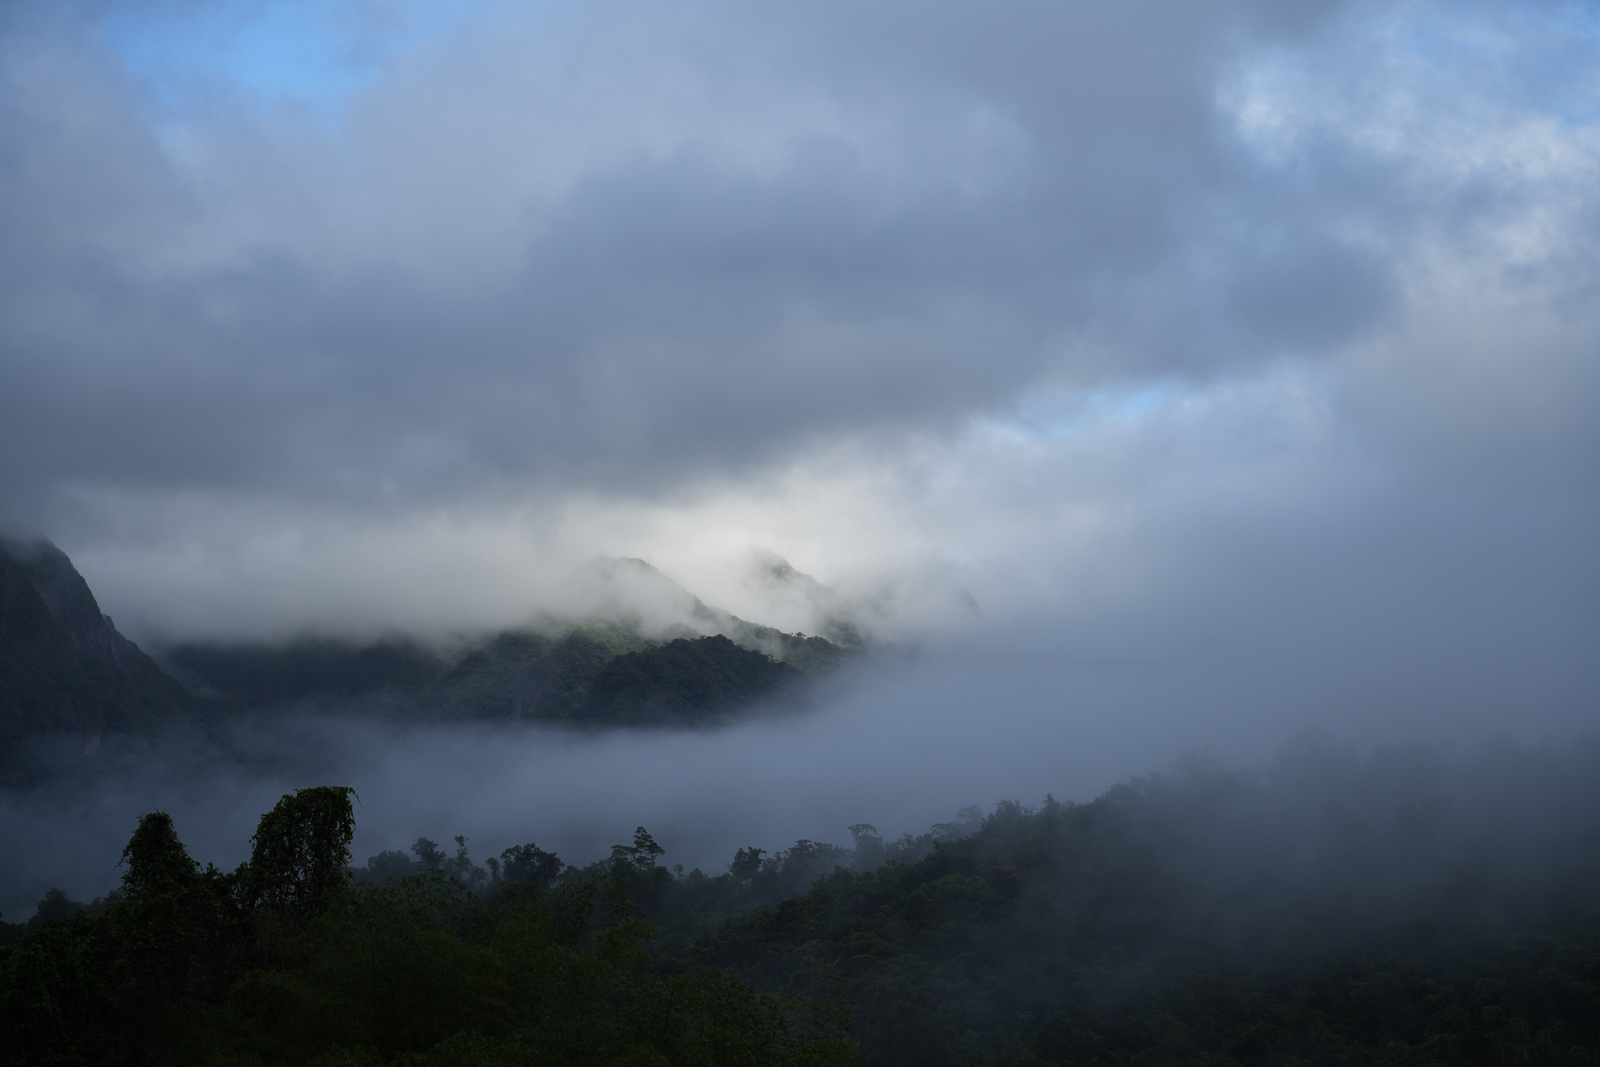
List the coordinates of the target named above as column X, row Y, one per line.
column 72, row 605
column 66, row 674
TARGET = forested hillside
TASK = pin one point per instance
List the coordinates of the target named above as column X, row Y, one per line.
column 585, row 676
column 1325, row 914
column 599, row 673
column 282, row 962
column 67, row 677
column 1407, row 907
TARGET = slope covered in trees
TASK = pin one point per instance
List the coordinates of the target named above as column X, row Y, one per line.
column 606, row 671
column 584, row 676
column 67, row 677
column 1407, row 907
column 283, row 961
column 1332, row 912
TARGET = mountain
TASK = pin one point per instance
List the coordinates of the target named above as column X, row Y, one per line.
column 585, row 675
column 682, row 681
column 636, row 587
column 67, row 676
column 781, row 583
column 652, row 655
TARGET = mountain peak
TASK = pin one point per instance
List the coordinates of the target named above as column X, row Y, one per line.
column 70, row 600
column 64, row 668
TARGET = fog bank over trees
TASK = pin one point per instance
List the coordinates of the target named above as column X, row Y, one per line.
column 899, row 745
column 1327, row 904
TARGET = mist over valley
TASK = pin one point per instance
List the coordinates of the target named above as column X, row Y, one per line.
column 816, row 533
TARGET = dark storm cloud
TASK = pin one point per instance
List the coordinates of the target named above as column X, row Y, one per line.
column 1164, row 325
column 682, row 238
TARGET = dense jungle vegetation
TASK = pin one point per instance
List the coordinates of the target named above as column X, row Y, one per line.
column 1406, row 907
column 284, row 961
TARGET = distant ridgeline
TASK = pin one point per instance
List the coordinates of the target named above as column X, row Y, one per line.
column 590, row 675
column 68, row 676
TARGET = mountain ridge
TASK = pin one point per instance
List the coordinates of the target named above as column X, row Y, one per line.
column 66, row 673
column 545, row 670
column 68, row 676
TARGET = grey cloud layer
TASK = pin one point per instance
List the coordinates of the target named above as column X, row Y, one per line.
column 619, row 242
column 1247, row 348
column 1159, row 320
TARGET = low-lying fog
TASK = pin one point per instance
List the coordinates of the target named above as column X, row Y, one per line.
column 901, row 744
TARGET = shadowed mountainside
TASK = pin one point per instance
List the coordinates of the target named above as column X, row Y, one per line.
column 590, row 675
column 604, row 672
column 67, row 677
column 65, row 671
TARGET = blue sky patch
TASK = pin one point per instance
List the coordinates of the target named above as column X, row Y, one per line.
column 271, row 51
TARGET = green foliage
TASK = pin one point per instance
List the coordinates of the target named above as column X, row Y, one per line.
column 642, row 853
column 746, row 862
column 300, row 854
column 52, row 1001
column 587, row 676
column 529, row 865
column 520, row 675
column 156, row 860
column 289, row 963
column 428, row 855
column 146, row 966
column 681, row 681
column 386, row 865
column 812, row 655
column 1329, row 911
column 415, row 972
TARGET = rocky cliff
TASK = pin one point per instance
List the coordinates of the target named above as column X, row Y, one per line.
column 66, row 674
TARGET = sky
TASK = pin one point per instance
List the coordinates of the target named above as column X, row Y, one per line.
column 1250, row 345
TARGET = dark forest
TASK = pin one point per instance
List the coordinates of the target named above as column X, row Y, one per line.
column 1409, row 906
